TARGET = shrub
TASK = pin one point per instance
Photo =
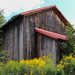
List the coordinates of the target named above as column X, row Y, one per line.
column 3, row 56
column 2, row 71
column 12, row 68
column 41, row 66
column 68, row 46
column 69, row 65
column 59, row 69
column 37, row 66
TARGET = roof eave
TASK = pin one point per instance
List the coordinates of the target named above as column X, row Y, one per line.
column 53, row 7
column 51, row 34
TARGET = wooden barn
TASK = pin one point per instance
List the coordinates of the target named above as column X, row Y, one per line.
column 34, row 33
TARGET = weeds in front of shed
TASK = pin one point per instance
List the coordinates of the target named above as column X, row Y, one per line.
column 42, row 66
column 3, row 56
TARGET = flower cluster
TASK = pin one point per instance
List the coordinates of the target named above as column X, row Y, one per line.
column 68, row 64
column 38, row 64
column 41, row 66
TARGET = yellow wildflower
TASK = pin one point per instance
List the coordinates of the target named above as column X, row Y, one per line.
column 68, row 58
column 64, row 63
column 65, row 58
column 31, row 72
column 68, row 63
column 58, row 69
column 38, row 68
column 60, row 62
column 41, row 72
column 62, row 66
column 32, row 66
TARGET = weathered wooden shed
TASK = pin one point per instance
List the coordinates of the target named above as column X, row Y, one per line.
column 34, row 33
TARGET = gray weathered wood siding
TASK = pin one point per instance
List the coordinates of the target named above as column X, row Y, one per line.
column 48, row 20
column 20, row 38
column 46, row 45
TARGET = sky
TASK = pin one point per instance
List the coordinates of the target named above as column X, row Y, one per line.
column 14, row 7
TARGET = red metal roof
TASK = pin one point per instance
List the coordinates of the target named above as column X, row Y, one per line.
column 53, row 7
column 51, row 34
column 37, row 10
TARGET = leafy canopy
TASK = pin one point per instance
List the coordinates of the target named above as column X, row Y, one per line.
column 2, row 21
column 68, row 46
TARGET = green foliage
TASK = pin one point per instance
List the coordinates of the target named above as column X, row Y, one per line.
column 12, row 68
column 2, row 21
column 68, row 65
column 1, row 32
column 3, row 55
column 0, row 41
column 59, row 69
column 68, row 47
column 33, row 67
column 2, row 71
column 24, row 69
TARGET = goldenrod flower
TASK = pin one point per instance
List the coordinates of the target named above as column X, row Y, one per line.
column 60, row 62
column 68, row 63
column 31, row 72
column 58, row 69
column 41, row 72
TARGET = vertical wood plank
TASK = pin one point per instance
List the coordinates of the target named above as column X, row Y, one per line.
column 52, row 49
column 39, row 45
column 28, row 38
column 38, row 20
column 48, row 45
column 24, row 38
column 21, row 39
column 16, row 42
column 10, row 42
column 32, row 35
column 5, row 39
column 58, row 52
column 51, row 24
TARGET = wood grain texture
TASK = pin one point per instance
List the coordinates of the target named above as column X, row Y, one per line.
column 12, row 42
column 16, row 42
column 25, row 35
column 32, row 35
column 21, row 40
column 28, row 38
column 24, row 39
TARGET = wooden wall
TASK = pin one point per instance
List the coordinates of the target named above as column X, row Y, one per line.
column 48, row 20
column 21, row 40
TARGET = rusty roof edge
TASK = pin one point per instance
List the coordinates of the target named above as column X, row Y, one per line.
column 51, row 34
column 36, row 11
column 58, row 12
